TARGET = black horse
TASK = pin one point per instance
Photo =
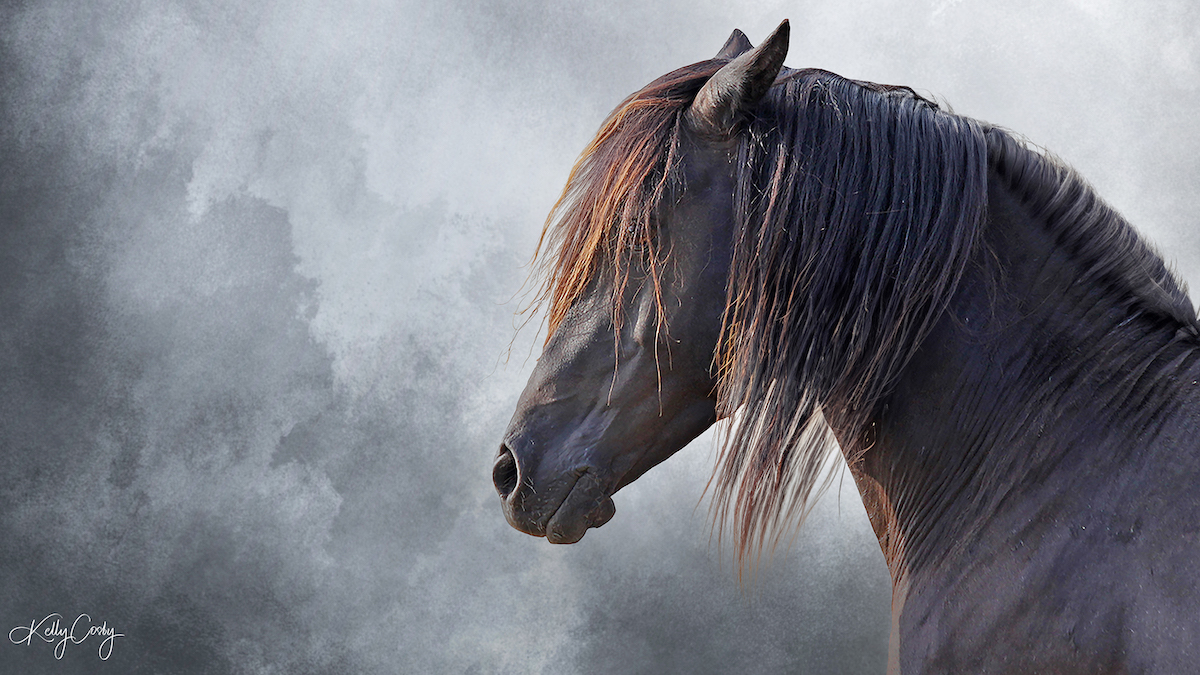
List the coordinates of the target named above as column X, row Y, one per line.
column 1011, row 373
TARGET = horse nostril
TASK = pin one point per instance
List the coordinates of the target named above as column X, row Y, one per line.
column 504, row 472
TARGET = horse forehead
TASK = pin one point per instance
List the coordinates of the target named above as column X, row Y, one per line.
column 707, row 165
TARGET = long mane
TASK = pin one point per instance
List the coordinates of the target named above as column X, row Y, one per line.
column 859, row 207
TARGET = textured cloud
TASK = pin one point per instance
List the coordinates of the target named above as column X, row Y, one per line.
column 255, row 265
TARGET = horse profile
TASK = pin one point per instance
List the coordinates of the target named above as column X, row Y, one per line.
column 1011, row 373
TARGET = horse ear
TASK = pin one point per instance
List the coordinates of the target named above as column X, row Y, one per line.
column 738, row 86
column 735, row 46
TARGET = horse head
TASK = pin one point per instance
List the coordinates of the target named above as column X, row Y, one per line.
column 628, row 374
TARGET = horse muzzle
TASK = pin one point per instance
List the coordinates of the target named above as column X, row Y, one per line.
column 561, row 506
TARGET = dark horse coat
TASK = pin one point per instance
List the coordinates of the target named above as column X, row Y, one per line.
column 1010, row 372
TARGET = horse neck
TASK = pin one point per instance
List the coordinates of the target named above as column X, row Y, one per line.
column 1025, row 372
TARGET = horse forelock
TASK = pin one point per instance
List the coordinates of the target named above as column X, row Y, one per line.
column 604, row 214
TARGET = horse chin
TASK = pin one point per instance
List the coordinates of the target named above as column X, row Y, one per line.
column 586, row 505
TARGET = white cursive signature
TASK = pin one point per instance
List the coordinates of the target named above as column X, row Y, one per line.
column 54, row 629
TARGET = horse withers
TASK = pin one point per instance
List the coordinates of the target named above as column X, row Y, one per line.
column 1010, row 372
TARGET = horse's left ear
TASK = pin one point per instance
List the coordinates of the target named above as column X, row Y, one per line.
column 738, row 86
column 735, row 46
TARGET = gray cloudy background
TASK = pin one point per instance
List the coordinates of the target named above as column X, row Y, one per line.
column 255, row 268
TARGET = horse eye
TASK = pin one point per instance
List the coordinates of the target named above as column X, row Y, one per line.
column 638, row 235
column 636, row 243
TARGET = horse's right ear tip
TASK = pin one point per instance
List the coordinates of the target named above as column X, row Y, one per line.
column 780, row 38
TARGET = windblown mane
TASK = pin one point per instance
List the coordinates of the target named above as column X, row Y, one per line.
column 605, row 209
column 859, row 207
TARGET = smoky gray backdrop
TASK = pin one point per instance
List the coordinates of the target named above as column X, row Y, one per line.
column 257, row 335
